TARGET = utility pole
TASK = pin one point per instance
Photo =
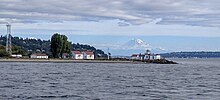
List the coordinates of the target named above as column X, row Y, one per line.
column 8, row 40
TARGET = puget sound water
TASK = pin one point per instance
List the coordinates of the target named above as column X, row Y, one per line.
column 192, row 79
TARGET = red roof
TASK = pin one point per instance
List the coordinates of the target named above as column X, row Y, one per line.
column 88, row 52
column 39, row 54
column 65, row 54
column 76, row 52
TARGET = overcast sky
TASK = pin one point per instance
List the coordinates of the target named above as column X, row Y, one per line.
column 42, row 18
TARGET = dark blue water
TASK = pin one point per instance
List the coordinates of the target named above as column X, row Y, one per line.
column 195, row 79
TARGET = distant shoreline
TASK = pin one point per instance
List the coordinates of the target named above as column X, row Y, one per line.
column 86, row 61
column 66, row 61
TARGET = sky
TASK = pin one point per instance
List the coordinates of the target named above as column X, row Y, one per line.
column 177, row 25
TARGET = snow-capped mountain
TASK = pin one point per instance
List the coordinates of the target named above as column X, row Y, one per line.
column 136, row 44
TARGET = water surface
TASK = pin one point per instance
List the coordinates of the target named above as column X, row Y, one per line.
column 196, row 79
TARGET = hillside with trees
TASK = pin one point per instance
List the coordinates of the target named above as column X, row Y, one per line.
column 27, row 46
column 201, row 54
column 81, row 47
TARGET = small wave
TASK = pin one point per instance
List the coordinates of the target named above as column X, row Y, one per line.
column 55, row 73
column 43, row 97
column 61, row 96
column 7, row 86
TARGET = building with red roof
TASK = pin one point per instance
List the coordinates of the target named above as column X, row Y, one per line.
column 88, row 55
column 77, row 55
column 65, row 55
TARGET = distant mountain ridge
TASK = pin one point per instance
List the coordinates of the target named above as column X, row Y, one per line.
column 201, row 54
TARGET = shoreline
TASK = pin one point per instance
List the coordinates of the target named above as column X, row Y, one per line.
column 86, row 61
column 66, row 61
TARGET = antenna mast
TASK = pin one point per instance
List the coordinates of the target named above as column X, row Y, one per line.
column 8, row 40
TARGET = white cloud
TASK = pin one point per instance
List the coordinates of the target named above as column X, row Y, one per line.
column 189, row 12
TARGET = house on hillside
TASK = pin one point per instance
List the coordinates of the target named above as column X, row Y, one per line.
column 88, row 55
column 39, row 56
column 76, row 55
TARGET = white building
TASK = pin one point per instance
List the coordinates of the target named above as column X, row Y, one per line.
column 149, row 57
column 146, row 57
column 153, row 57
column 16, row 55
column 39, row 56
column 77, row 55
column 88, row 55
column 135, row 57
column 157, row 56
column 65, row 55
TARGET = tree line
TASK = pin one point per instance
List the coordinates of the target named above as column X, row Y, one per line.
column 201, row 54
column 60, row 45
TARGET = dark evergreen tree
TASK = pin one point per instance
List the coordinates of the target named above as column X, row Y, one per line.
column 56, row 45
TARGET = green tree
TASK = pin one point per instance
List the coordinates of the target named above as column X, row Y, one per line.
column 18, row 50
column 66, row 44
column 59, row 45
column 56, row 45
column 3, row 53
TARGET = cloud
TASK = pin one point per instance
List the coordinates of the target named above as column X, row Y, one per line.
column 123, row 24
column 136, row 12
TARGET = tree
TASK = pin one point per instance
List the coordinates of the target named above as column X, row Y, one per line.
column 17, row 50
column 56, row 45
column 3, row 53
column 66, row 44
column 59, row 45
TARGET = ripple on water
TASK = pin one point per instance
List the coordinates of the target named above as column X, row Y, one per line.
column 110, row 81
